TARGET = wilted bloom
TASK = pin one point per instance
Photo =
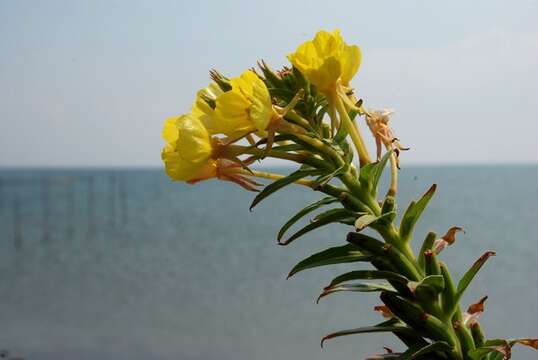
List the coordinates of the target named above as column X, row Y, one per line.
column 384, row 310
column 188, row 149
column 378, row 122
column 327, row 59
column 474, row 311
column 448, row 239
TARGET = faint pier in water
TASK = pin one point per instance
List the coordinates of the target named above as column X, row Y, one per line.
column 112, row 181
column 90, row 204
column 62, row 206
column 45, row 209
column 122, row 193
column 17, row 222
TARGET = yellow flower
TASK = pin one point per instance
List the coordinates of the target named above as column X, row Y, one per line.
column 326, row 59
column 187, row 154
column 247, row 107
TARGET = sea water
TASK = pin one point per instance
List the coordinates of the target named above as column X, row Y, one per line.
column 124, row 264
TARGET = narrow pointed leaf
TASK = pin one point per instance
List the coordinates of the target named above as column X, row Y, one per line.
column 280, row 183
column 470, row 274
column 365, row 220
column 413, row 212
column 336, row 255
column 324, row 179
column 414, row 316
column 366, row 287
column 303, row 212
column 426, row 245
column 289, row 147
column 384, row 250
column 368, row 275
column 436, row 282
column 366, row 330
column 489, row 352
column 328, row 217
column 371, row 173
column 368, row 219
column 428, row 349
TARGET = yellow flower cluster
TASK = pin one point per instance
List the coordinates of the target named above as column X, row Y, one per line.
column 189, row 153
column 244, row 106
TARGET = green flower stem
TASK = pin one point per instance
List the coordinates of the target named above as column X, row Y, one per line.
column 393, row 175
column 354, row 133
column 272, row 176
column 292, row 116
column 349, row 180
column 346, row 198
column 331, row 110
column 236, row 150
column 329, row 153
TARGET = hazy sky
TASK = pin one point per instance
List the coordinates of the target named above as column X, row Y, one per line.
column 90, row 82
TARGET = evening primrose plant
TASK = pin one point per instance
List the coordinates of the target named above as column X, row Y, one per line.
column 305, row 114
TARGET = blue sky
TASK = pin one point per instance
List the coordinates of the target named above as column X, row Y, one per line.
column 88, row 83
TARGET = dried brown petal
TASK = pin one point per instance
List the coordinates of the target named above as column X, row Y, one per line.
column 385, row 311
column 450, row 236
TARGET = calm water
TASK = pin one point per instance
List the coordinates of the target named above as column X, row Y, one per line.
column 126, row 265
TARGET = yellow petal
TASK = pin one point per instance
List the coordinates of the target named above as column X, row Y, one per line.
column 170, row 132
column 326, row 59
column 202, row 110
column 328, row 44
column 194, row 143
column 180, row 169
column 244, row 82
column 325, row 77
column 350, row 61
column 261, row 110
column 232, row 113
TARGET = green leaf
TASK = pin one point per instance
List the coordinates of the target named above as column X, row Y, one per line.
column 428, row 349
column 386, row 252
column 426, row 245
column 325, row 218
column 366, row 330
column 280, row 183
column 471, row 273
column 368, row 275
column 489, row 352
column 368, row 219
column 370, row 174
column 336, row 255
column 281, row 93
column 361, row 287
column 324, row 179
column 289, row 147
column 413, row 212
column 365, row 220
column 414, row 316
column 341, row 134
column 428, row 289
column 436, row 282
column 306, row 210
